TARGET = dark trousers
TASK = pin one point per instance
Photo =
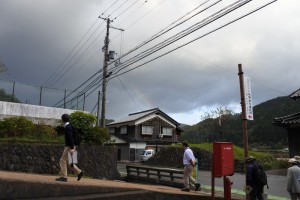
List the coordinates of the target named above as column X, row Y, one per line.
column 256, row 193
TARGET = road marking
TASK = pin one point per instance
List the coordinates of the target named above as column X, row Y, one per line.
column 241, row 192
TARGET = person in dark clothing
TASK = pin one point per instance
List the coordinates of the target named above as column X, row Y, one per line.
column 69, row 148
column 256, row 189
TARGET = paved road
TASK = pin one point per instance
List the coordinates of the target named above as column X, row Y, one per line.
column 276, row 191
column 277, row 184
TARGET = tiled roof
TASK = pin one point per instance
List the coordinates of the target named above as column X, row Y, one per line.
column 296, row 95
column 134, row 116
column 287, row 120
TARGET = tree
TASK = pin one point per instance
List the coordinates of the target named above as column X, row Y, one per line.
column 221, row 114
column 91, row 134
column 7, row 97
column 3, row 68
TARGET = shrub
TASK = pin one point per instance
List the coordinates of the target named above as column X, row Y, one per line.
column 44, row 131
column 16, row 126
column 83, row 121
column 97, row 135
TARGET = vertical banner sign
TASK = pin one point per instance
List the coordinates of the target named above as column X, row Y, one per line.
column 248, row 98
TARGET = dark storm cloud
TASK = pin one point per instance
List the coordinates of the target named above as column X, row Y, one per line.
column 36, row 36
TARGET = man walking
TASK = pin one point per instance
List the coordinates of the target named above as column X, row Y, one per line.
column 69, row 148
column 189, row 163
column 256, row 188
column 293, row 179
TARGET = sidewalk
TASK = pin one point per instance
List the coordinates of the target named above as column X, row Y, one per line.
column 16, row 185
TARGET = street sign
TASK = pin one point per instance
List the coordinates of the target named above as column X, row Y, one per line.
column 248, row 98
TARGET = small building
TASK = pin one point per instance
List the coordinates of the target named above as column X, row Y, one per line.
column 292, row 124
column 149, row 129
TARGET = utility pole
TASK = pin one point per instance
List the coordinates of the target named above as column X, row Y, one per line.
column 98, row 108
column 243, row 105
column 107, row 57
column 106, row 41
column 244, row 117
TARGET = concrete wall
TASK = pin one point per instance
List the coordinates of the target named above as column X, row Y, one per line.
column 37, row 114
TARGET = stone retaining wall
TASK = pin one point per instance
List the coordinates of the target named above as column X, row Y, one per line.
column 96, row 161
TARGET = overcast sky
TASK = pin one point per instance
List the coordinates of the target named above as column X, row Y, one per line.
column 58, row 44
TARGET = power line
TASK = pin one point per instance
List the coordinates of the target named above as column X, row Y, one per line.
column 57, row 75
column 129, row 94
column 126, row 9
column 48, row 81
column 167, row 29
column 110, row 7
column 214, row 30
column 181, row 34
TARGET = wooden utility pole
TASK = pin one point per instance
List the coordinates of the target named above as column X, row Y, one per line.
column 244, row 117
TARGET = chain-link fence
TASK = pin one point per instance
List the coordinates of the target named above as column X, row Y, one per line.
column 43, row 96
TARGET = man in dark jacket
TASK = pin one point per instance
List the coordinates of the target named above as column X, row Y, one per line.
column 256, row 189
column 69, row 148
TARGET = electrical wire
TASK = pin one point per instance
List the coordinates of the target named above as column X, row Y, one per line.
column 129, row 94
column 126, row 9
column 212, row 31
column 167, row 29
column 181, row 34
column 48, row 81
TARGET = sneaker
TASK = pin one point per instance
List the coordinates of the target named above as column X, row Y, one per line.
column 63, row 179
column 185, row 189
column 197, row 186
column 79, row 176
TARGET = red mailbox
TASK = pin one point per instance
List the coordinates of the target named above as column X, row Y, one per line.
column 223, row 164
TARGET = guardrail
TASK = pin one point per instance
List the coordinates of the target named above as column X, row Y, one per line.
column 164, row 176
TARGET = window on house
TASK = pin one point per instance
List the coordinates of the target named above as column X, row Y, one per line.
column 123, row 130
column 147, row 130
column 167, row 131
column 111, row 130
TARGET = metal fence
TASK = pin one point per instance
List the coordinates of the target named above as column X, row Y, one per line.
column 43, row 96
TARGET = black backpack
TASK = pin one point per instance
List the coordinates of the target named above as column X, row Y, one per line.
column 259, row 175
column 77, row 135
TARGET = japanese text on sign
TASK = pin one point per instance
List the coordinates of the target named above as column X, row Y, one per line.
column 248, row 98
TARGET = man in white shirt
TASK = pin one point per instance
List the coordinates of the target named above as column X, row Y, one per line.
column 189, row 163
column 293, row 179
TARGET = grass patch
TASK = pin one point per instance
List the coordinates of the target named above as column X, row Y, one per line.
column 268, row 160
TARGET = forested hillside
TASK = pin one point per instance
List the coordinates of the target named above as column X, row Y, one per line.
column 262, row 133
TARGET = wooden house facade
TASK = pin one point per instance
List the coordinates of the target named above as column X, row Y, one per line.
column 150, row 129
column 292, row 124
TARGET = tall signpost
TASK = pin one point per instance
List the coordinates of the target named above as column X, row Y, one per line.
column 247, row 109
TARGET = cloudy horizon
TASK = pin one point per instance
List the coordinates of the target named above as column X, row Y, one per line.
column 37, row 39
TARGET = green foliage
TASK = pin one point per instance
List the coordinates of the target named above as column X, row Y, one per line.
column 44, row 131
column 7, row 97
column 266, row 159
column 97, row 135
column 20, row 129
column 282, row 164
column 91, row 134
column 84, row 121
column 16, row 126
column 3, row 67
column 262, row 134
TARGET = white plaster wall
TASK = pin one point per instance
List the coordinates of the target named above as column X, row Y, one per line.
column 37, row 114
